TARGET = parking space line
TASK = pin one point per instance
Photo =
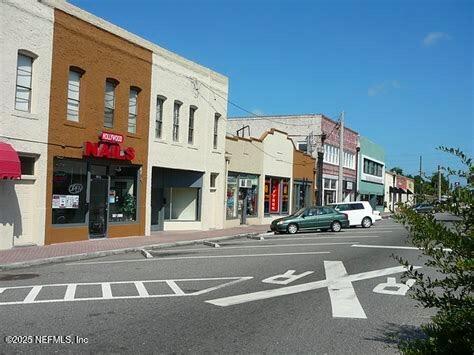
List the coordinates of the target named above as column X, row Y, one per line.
column 391, row 247
column 194, row 257
column 316, row 237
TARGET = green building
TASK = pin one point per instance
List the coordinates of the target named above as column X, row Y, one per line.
column 371, row 173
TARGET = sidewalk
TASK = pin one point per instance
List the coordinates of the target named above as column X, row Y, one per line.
column 36, row 255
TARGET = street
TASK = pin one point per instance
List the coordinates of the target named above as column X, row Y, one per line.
column 316, row 292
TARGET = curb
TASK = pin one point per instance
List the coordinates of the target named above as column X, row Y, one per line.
column 100, row 254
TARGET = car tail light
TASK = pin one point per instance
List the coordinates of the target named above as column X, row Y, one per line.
column 345, row 214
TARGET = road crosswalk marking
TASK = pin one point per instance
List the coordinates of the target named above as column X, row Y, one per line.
column 70, row 293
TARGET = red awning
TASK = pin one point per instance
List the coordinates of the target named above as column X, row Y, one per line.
column 10, row 167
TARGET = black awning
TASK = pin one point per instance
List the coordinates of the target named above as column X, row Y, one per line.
column 409, row 192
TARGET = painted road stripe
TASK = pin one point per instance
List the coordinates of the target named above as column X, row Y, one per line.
column 106, row 291
column 223, row 247
column 107, row 294
column 32, row 294
column 175, row 287
column 346, row 237
column 142, row 291
column 289, row 290
column 195, row 257
column 70, row 292
column 344, row 301
column 383, row 246
column 390, row 247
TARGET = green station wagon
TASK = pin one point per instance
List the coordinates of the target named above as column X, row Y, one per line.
column 311, row 218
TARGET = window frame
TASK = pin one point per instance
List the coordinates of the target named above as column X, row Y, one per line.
column 80, row 72
column 133, row 116
column 32, row 57
column 115, row 83
column 176, row 111
column 159, row 117
column 192, row 116
column 215, row 141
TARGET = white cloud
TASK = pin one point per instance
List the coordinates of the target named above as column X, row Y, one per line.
column 383, row 87
column 433, row 38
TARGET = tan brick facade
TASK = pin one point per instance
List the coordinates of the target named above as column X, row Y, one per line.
column 100, row 55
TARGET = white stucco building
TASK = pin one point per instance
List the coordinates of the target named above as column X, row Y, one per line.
column 26, row 34
column 186, row 165
column 259, row 178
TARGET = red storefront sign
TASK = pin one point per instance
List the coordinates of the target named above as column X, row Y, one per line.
column 275, row 196
column 108, row 147
column 111, row 137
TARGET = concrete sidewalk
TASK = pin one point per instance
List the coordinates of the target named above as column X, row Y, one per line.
column 19, row 257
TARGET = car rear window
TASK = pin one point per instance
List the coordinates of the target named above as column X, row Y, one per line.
column 343, row 207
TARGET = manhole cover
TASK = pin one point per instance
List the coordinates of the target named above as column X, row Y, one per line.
column 13, row 277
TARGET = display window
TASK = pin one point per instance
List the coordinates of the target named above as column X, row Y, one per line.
column 276, row 200
column 69, row 204
column 231, row 205
column 182, row 203
column 122, row 197
column 242, row 193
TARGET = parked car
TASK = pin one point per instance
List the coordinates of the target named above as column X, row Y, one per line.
column 423, row 208
column 311, row 218
column 360, row 213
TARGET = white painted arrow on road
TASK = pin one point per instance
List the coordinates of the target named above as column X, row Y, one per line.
column 344, row 301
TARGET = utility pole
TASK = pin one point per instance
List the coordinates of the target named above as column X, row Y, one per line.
column 439, row 183
column 341, row 158
column 420, row 192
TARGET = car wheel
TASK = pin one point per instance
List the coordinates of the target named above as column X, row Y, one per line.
column 292, row 228
column 336, row 226
column 366, row 222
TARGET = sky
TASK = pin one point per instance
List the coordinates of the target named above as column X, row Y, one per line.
column 401, row 70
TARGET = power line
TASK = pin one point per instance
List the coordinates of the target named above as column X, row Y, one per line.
column 250, row 112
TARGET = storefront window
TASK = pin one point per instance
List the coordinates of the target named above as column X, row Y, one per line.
column 252, row 197
column 241, row 187
column 231, row 207
column 301, row 195
column 182, row 203
column 276, row 195
column 69, row 191
column 123, row 194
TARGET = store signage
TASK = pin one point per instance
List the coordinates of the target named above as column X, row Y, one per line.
column 111, row 137
column 275, row 197
column 108, row 147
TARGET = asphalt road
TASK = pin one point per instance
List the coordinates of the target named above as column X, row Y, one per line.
column 229, row 299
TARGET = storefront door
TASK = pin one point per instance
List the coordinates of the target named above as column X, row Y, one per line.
column 98, row 205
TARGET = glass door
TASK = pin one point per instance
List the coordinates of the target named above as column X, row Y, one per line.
column 98, row 203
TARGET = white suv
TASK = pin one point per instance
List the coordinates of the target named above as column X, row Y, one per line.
column 360, row 213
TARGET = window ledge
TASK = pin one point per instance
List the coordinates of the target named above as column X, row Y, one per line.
column 24, row 114
column 29, row 177
column 213, row 189
column 134, row 135
column 75, row 124
column 177, row 144
column 193, row 147
column 160, row 140
column 216, row 152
